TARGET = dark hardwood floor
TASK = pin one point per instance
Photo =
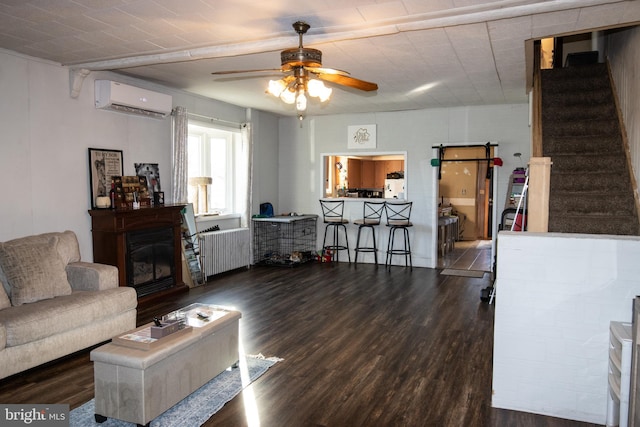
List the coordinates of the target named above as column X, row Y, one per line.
column 362, row 346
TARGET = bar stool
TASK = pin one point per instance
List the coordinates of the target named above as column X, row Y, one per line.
column 371, row 217
column 453, row 232
column 332, row 214
column 443, row 222
column 398, row 215
column 447, row 226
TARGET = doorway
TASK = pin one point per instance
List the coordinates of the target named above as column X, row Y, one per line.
column 465, row 190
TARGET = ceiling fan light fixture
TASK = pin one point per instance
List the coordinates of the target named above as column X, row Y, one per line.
column 301, row 101
column 325, row 94
column 301, row 64
column 276, row 87
column 288, row 96
column 297, row 93
column 317, row 89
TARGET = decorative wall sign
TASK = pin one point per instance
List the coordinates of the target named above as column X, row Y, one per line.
column 103, row 164
column 362, row 136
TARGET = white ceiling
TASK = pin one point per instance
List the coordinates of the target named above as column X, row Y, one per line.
column 422, row 53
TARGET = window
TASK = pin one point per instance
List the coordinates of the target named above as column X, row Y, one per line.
column 215, row 169
column 365, row 175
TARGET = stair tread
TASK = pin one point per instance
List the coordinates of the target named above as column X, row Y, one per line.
column 589, row 156
column 595, row 216
column 601, row 172
column 607, row 153
column 591, row 193
column 568, row 96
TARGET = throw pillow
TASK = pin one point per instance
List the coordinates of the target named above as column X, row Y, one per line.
column 34, row 271
column 4, row 299
column 3, row 281
column 68, row 247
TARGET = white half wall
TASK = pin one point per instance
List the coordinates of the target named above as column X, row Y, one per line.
column 555, row 297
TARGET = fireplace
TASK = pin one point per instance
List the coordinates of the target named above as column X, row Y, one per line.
column 150, row 262
column 145, row 245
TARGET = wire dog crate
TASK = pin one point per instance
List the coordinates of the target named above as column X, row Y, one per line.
column 284, row 240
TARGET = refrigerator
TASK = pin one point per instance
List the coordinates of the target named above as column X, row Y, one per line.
column 394, row 188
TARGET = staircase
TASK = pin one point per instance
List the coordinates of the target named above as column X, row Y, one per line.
column 590, row 189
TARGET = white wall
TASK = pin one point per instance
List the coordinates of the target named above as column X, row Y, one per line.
column 265, row 164
column 555, row 297
column 46, row 133
column 414, row 132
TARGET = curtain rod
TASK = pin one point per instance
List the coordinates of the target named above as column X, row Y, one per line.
column 215, row 119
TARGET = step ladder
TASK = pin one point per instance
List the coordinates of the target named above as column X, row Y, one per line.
column 520, row 212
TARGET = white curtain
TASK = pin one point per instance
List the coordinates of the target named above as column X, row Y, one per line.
column 244, row 187
column 180, row 138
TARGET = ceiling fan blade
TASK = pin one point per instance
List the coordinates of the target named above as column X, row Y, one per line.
column 241, row 77
column 349, row 81
column 247, row 71
column 323, row 70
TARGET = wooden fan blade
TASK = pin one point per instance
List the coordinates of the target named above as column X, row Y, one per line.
column 215, row 73
column 322, row 70
column 241, row 77
column 349, row 81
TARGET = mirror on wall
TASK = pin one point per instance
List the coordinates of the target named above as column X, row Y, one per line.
column 380, row 176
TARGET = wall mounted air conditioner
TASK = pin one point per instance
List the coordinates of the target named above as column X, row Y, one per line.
column 130, row 99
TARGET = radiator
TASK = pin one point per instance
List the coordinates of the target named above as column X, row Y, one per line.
column 224, row 250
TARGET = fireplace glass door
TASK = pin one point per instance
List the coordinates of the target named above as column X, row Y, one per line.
column 151, row 263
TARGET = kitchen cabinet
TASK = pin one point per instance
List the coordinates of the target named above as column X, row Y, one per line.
column 393, row 166
column 384, row 167
column 362, row 173
column 354, row 171
column 380, row 171
column 368, row 174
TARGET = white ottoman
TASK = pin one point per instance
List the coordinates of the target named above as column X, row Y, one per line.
column 137, row 385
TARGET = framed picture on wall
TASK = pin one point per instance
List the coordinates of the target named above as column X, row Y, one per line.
column 103, row 164
column 361, row 136
column 151, row 171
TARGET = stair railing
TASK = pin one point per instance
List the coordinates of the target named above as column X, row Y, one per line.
column 536, row 107
column 539, row 167
column 539, row 174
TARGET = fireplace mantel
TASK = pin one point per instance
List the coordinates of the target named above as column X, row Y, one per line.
column 110, row 227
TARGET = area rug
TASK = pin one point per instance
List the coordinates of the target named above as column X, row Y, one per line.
column 196, row 408
column 464, row 273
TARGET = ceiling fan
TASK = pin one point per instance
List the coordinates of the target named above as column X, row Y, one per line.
column 300, row 65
